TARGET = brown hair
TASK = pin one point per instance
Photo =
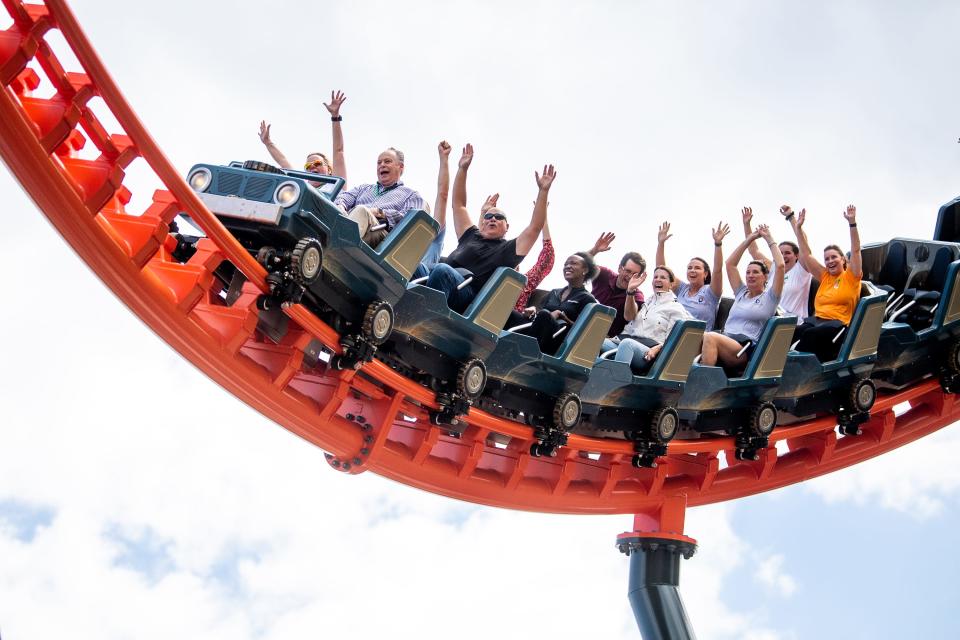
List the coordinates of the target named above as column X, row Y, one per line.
column 836, row 248
column 792, row 245
column 635, row 257
column 673, row 278
column 706, row 270
column 764, row 269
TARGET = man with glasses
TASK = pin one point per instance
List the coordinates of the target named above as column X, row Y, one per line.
column 379, row 207
column 482, row 248
column 612, row 289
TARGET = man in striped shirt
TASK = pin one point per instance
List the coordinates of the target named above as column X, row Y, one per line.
column 378, row 207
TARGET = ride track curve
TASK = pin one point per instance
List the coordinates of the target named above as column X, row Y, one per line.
column 373, row 419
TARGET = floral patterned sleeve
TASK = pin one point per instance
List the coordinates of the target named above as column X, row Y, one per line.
column 537, row 273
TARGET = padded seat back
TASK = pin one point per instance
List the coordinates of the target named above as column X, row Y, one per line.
column 949, row 309
column 938, row 271
column 491, row 307
column 894, row 271
column 722, row 312
column 679, row 350
column 948, row 222
column 583, row 341
column 863, row 334
column 537, row 297
column 812, row 297
column 770, row 355
column 404, row 246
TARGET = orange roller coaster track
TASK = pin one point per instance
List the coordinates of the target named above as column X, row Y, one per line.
column 373, row 419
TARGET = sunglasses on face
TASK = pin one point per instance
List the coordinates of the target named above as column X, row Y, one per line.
column 494, row 216
column 310, row 166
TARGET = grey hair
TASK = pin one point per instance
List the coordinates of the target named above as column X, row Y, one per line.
column 398, row 152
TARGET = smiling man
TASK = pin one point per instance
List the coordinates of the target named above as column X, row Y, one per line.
column 482, row 248
column 613, row 288
column 378, row 207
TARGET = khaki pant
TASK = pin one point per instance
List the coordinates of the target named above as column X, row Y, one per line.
column 367, row 221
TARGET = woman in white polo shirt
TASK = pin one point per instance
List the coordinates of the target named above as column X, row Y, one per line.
column 795, row 298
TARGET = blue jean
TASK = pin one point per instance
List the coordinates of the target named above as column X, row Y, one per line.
column 633, row 352
column 445, row 278
column 432, row 256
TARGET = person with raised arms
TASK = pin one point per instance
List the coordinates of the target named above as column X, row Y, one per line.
column 839, row 289
column 482, row 247
column 753, row 304
column 613, row 289
column 796, row 280
column 316, row 162
column 700, row 294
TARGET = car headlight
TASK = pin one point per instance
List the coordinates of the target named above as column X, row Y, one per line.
column 200, row 179
column 286, row 194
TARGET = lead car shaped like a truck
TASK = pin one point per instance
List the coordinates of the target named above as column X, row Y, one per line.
column 312, row 253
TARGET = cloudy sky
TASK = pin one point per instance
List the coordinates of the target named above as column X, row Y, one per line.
column 139, row 500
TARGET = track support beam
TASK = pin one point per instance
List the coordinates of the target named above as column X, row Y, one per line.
column 655, row 548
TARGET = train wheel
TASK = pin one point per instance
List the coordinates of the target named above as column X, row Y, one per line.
column 266, row 256
column 763, row 419
column 306, row 261
column 645, row 461
column 953, row 358
column 341, row 363
column 862, row 395
column 472, row 378
column 664, row 424
column 566, row 411
column 378, row 322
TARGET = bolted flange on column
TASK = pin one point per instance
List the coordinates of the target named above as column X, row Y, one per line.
column 654, row 578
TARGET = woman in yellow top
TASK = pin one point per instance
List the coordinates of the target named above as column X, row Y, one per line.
column 839, row 289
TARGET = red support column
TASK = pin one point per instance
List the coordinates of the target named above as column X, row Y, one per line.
column 655, row 548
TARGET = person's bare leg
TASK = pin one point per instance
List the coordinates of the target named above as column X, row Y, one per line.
column 727, row 350
column 709, row 350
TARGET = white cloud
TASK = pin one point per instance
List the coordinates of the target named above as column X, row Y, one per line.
column 770, row 573
column 919, row 479
column 173, row 510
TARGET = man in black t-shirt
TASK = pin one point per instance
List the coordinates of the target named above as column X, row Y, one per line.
column 482, row 248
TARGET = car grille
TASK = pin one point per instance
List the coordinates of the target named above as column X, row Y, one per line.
column 257, row 188
column 228, row 183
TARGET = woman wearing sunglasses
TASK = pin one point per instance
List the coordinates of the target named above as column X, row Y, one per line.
column 316, row 162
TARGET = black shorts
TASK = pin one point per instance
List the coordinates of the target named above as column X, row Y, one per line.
column 744, row 340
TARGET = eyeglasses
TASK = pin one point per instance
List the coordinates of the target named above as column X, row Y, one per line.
column 494, row 216
column 309, row 166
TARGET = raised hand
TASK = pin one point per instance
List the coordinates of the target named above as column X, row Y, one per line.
column 544, row 181
column 851, row 214
column 720, row 232
column 747, row 214
column 336, row 99
column 801, row 217
column 490, row 203
column 764, row 232
column 663, row 233
column 603, row 243
column 786, row 211
column 466, row 157
column 444, row 149
column 265, row 133
column 636, row 281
